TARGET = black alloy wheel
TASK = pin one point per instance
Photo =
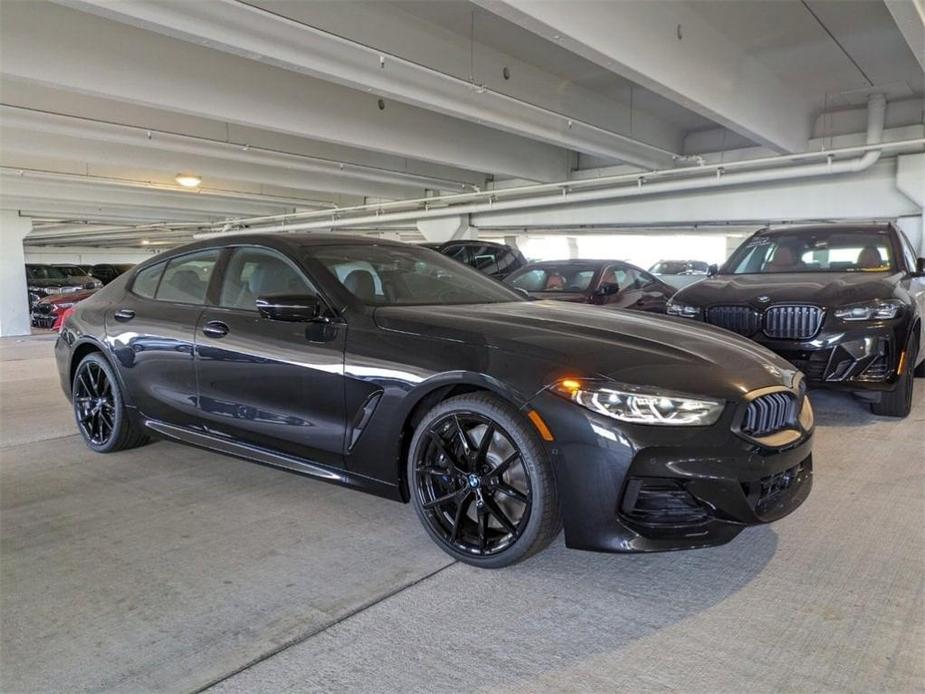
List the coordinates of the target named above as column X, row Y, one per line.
column 480, row 483
column 99, row 409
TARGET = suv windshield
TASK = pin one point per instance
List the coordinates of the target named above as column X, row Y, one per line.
column 408, row 276
column 814, row 251
column 71, row 270
column 554, row 278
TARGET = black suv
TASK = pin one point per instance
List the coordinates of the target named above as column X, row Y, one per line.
column 844, row 304
column 493, row 259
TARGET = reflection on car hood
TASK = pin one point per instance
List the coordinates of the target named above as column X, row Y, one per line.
column 583, row 340
column 826, row 289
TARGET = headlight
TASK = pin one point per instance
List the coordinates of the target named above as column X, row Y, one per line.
column 53, row 290
column 636, row 405
column 872, row 310
column 684, row 310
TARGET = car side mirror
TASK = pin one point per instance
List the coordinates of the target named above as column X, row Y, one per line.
column 608, row 289
column 290, row 308
column 712, row 270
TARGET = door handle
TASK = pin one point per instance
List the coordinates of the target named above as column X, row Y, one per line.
column 215, row 328
column 124, row 314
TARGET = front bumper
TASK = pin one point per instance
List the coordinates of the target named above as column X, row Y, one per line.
column 847, row 357
column 43, row 320
column 632, row 488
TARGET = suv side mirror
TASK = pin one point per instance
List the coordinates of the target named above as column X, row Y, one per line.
column 608, row 289
column 713, row 269
column 290, row 308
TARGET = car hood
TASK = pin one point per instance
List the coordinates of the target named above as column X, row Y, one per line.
column 825, row 289
column 70, row 297
column 582, row 340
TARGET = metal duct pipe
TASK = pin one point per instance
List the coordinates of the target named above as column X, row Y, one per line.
column 717, row 178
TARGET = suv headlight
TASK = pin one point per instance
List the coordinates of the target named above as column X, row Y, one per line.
column 871, row 310
column 685, row 310
column 639, row 406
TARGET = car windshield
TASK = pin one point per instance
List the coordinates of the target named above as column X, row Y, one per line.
column 408, row 276
column 566, row 277
column 670, row 267
column 71, row 270
column 45, row 272
column 813, row 251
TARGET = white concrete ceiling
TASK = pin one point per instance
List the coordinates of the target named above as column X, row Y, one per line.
column 281, row 105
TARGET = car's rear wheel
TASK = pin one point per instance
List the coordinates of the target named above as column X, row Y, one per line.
column 100, row 409
column 481, row 482
column 898, row 402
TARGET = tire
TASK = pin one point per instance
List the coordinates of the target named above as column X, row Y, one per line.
column 99, row 408
column 898, row 402
column 488, row 502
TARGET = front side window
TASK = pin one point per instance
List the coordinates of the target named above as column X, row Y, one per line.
column 186, row 278
column 256, row 272
column 554, row 278
column 407, row 275
column 814, row 251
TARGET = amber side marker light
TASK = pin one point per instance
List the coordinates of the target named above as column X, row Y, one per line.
column 902, row 363
column 540, row 425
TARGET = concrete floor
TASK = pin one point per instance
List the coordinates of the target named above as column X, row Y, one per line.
column 172, row 569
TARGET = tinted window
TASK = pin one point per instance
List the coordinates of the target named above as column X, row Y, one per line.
column 491, row 260
column 814, row 251
column 71, row 270
column 255, row 272
column 145, row 283
column 44, row 272
column 554, row 278
column 186, row 279
column 407, row 275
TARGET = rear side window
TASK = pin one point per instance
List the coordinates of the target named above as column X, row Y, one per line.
column 145, row 284
column 186, row 279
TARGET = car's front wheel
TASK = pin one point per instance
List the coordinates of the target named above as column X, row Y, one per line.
column 481, row 482
column 898, row 402
column 100, row 409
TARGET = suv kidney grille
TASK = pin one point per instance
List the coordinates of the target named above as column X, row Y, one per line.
column 770, row 413
column 792, row 322
column 739, row 319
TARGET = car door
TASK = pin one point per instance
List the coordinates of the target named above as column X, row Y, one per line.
column 151, row 328
column 269, row 383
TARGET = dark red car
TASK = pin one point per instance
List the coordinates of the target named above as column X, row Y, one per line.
column 48, row 312
column 613, row 283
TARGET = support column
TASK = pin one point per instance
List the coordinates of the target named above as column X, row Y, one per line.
column 444, row 229
column 14, row 305
column 572, row 247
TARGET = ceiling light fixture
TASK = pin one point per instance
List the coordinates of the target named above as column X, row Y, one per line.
column 188, row 180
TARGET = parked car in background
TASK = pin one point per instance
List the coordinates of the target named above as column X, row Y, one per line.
column 611, row 283
column 845, row 304
column 391, row 369
column 680, row 273
column 49, row 311
column 49, row 280
column 107, row 272
column 493, row 259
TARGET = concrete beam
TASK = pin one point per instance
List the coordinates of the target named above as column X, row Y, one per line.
column 258, row 34
column 14, row 309
column 446, row 229
column 668, row 48
column 910, row 19
column 75, row 51
column 871, row 194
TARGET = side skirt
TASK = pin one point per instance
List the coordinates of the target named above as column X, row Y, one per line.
column 255, row 454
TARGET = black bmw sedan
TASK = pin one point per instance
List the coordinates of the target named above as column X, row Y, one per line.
column 400, row 372
column 844, row 304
